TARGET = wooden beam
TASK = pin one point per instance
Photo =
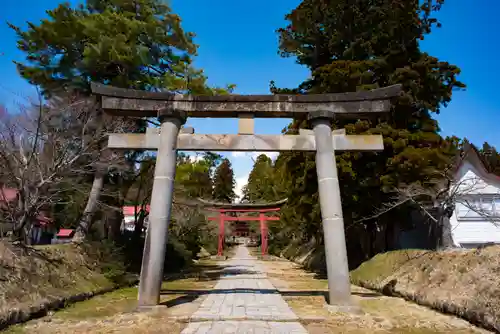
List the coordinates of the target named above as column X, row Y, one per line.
column 243, row 210
column 245, row 143
column 272, row 206
column 244, row 218
column 136, row 103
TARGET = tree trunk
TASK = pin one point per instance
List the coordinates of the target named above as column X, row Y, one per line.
column 115, row 220
column 28, row 237
column 446, row 238
column 91, row 207
column 138, row 228
column 19, row 230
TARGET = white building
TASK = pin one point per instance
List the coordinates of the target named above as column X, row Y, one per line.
column 476, row 219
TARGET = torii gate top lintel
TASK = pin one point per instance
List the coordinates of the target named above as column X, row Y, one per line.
column 127, row 102
column 243, row 206
column 138, row 103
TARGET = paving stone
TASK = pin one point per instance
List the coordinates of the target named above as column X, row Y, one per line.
column 245, row 327
column 246, row 294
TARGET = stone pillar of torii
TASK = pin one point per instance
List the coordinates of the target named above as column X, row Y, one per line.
column 172, row 111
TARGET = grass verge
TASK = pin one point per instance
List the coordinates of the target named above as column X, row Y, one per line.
column 37, row 279
column 465, row 283
column 305, row 294
column 114, row 312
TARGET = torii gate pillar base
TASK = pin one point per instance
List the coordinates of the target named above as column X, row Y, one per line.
column 152, row 308
column 352, row 309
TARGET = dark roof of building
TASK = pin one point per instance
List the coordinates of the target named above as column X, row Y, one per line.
column 471, row 154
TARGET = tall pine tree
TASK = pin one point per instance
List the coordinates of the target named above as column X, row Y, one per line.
column 126, row 43
column 491, row 158
column 223, row 187
column 259, row 186
column 193, row 179
column 359, row 45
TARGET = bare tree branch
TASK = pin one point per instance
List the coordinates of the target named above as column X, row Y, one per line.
column 438, row 201
column 44, row 149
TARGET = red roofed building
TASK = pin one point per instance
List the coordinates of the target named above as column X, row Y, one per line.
column 7, row 195
column 129, row 217
column 65, row 233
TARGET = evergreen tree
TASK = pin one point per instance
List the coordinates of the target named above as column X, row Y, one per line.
column 223, row 183
column 259, row 186
column 126, row 43
column 213, row 160
column 193, row 179
column 491, row 158
column 359, row 45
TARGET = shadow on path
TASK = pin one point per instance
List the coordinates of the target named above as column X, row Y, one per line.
column 211, row 272
column 191, row 295
column 205, row 273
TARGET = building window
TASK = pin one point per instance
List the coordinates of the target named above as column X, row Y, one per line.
column 478, row 208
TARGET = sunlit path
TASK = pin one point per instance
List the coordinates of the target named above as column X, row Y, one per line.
column 244, row 301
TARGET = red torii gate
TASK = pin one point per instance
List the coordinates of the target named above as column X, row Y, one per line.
column 261, row 208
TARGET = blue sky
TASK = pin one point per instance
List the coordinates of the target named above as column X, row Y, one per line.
column 238, row 44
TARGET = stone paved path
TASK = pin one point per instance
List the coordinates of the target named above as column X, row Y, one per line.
column 244, row 301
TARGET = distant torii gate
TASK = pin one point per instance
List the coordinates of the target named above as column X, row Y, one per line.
column 172, row 111
column 261, row 208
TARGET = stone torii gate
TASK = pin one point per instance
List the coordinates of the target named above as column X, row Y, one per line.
column 260, row 208
column 172, row 111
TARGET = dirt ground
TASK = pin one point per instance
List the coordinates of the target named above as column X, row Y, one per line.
column 115, row 312
column 379, row 314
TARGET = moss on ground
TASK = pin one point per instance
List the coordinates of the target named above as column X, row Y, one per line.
column 382, row 265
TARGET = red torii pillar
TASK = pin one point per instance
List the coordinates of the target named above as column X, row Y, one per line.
column 222, row 221
column 262, row 218
column 263, row 233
